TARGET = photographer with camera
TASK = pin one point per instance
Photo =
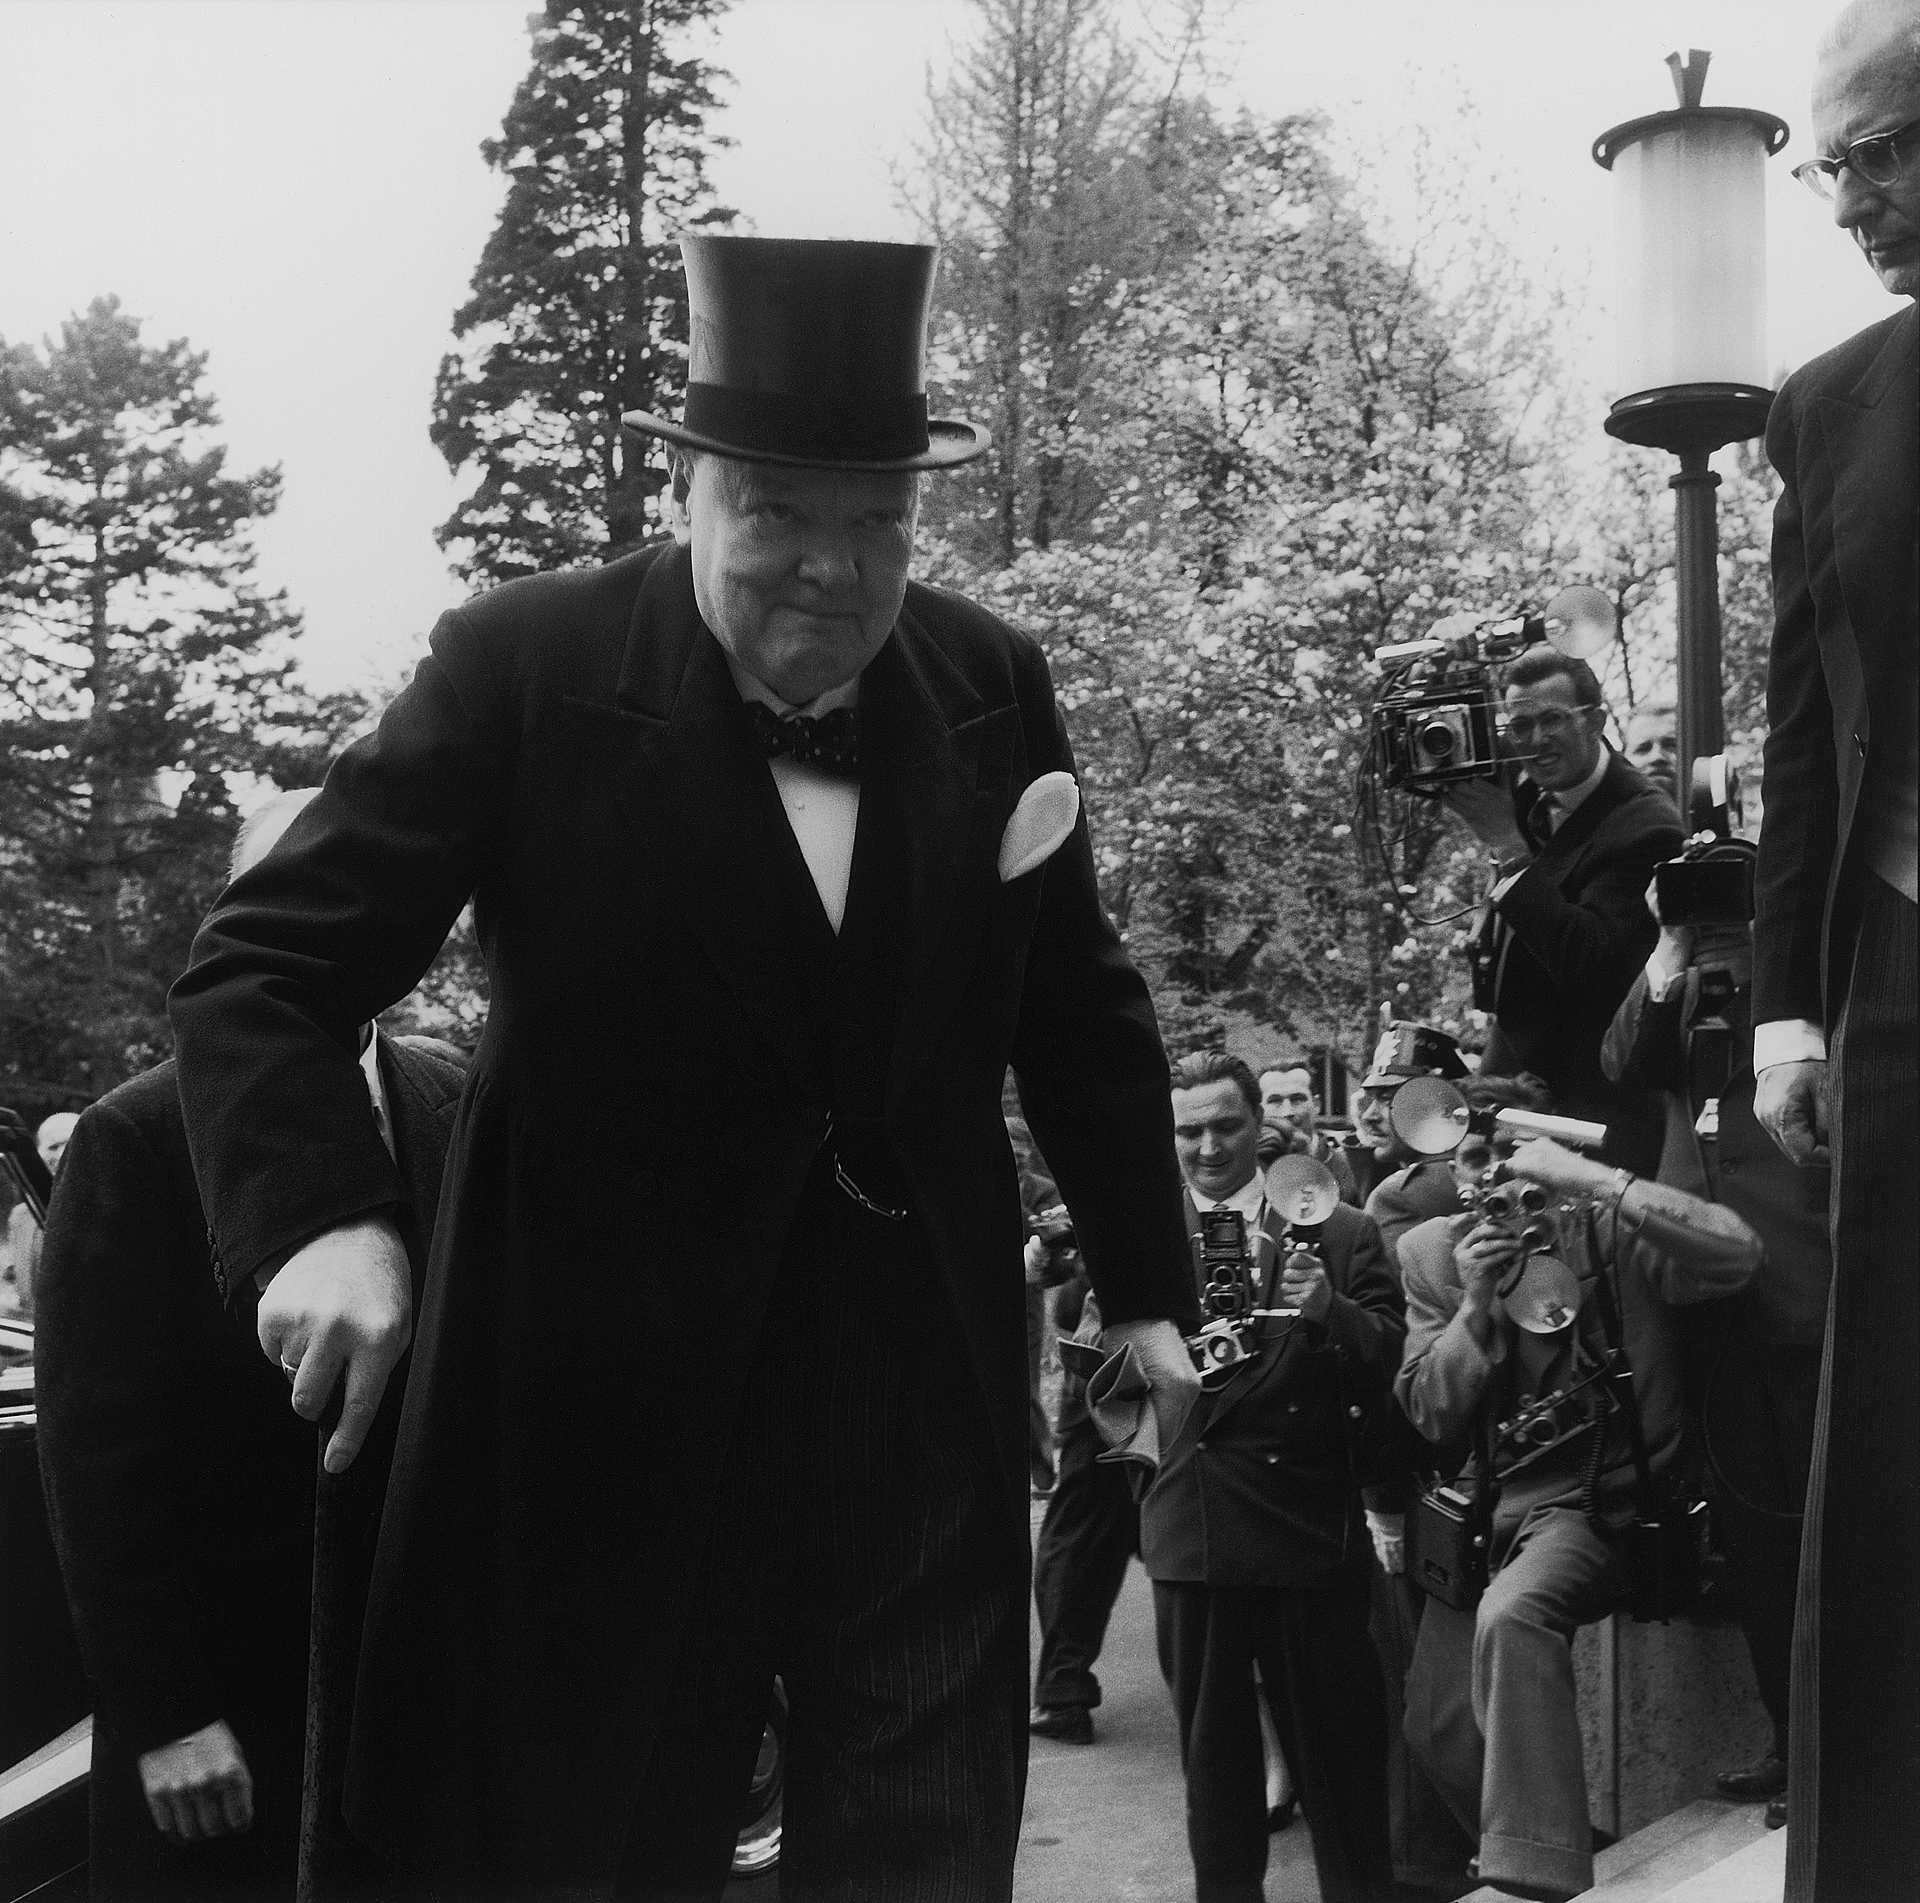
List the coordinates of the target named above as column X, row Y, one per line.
column 1544, row 1339
column 1564, row 929
column 1253, row 1530
column 1685, row 1029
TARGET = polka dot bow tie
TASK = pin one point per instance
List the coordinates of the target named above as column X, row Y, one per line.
column 829, row 743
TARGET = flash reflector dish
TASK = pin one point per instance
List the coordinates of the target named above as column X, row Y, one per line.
column 1581, row 622
column 1428, row 1115
column 1545, row 1299
column 1302, row 1191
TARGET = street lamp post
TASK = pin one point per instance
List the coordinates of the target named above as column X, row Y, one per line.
column 1692, row 333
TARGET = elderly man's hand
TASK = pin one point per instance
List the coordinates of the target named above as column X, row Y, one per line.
column 198, row 1786
column 1172, row 1380
column 344, row 1300
column 1790, row 1103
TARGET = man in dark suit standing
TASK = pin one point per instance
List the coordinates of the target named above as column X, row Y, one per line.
column 181, row 1486
column 1834, row 959
column 1565, row 926
column 1254, row 1536
column 798, row 839
column 1685, row 1030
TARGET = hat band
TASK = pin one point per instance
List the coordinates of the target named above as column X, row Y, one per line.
column 879, row 429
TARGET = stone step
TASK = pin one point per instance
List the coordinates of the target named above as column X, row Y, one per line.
column 1659, row 1863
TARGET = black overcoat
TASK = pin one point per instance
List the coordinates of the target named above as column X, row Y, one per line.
column 1558, row 949
column 1846, row 604
column 637, row 1126
column 180, row 1483
column 1261, row 1487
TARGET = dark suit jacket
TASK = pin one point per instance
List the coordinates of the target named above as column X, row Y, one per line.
column 1846, row 600
column 180, row 1481
column 573, row 754
column 1560, row 947
column 1261, row 1487
column 1786, row 1206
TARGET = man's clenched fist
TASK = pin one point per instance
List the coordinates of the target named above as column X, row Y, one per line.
column 198, row 1786
column 345, row 1300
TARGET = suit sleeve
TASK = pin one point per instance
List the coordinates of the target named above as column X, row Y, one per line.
column 1592, row 946
column 336, row 923
column 1445, row 1370
column 117, row 1436
column 1800, row 824
column 1367, row 1321
column 1643, row 1047
column 1093, row 1072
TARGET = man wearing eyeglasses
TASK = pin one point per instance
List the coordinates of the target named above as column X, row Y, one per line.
column 1565, row 927
column 1834, row 969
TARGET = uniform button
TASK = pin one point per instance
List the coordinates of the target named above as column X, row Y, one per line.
column 1293, row 1407
column 1199, row 1447
column 1355, row 1413
column 1273, row 1460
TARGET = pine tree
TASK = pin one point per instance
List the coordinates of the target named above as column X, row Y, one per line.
column 142, row 672
column 578, row 310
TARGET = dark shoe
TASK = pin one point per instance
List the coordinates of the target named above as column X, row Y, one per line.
column 1065, row 1724
column 1281, row 1815
column 1777, row 1812
column 1766, row 1777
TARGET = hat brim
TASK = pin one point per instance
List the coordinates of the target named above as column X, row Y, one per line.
column 951, row 441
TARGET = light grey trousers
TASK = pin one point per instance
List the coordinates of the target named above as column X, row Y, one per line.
column 1490, row 1704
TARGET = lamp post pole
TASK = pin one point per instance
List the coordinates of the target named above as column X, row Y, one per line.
column 1693, row 340
column 1703, row 723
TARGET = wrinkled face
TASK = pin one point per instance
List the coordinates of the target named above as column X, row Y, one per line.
column 1216, row 1137
column 1556, row 737
column 1286, row 1096
column 1653, row 748
column 800, row 573
column 1871, row 87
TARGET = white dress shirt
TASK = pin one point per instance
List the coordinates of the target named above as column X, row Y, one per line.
column 822, row 808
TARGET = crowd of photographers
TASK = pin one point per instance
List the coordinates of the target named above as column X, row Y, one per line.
column 1476, row 1361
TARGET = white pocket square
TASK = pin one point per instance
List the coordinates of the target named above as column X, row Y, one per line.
column 1039, row 824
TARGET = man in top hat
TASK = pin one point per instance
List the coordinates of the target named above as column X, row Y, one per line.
column 796, row 837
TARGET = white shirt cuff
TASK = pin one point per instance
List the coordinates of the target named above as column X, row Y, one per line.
column 1661, row 978
column 1788, row 1041
column 1506, row 885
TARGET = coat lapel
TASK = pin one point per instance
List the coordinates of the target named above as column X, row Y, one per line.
column 952, row 763
column 691, row 760
column 1869, row 438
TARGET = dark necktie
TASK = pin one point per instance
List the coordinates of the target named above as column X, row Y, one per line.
column 830, row 743
column 1539, row 827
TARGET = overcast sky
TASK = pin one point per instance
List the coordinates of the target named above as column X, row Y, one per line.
column 295, row 186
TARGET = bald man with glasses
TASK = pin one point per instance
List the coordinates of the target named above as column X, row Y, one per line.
column 1834, row 977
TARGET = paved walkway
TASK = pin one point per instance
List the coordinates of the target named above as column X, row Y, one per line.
column 1108, row 1820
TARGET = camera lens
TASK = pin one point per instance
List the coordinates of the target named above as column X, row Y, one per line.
column 1436, row 739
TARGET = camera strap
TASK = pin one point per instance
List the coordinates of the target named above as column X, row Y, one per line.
column 1621, row 1373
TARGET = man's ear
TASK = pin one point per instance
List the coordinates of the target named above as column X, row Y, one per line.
column 676, row 505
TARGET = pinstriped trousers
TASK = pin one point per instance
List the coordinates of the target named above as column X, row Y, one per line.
column 864, row 1549
column 1853, row 1799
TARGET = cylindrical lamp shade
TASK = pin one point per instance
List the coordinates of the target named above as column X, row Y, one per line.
column 1691, row 206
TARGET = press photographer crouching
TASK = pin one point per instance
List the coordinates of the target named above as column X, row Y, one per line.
column 1541, row 1335
column 1686, row 1030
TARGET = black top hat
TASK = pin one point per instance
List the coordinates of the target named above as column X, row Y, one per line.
column 811, row 351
